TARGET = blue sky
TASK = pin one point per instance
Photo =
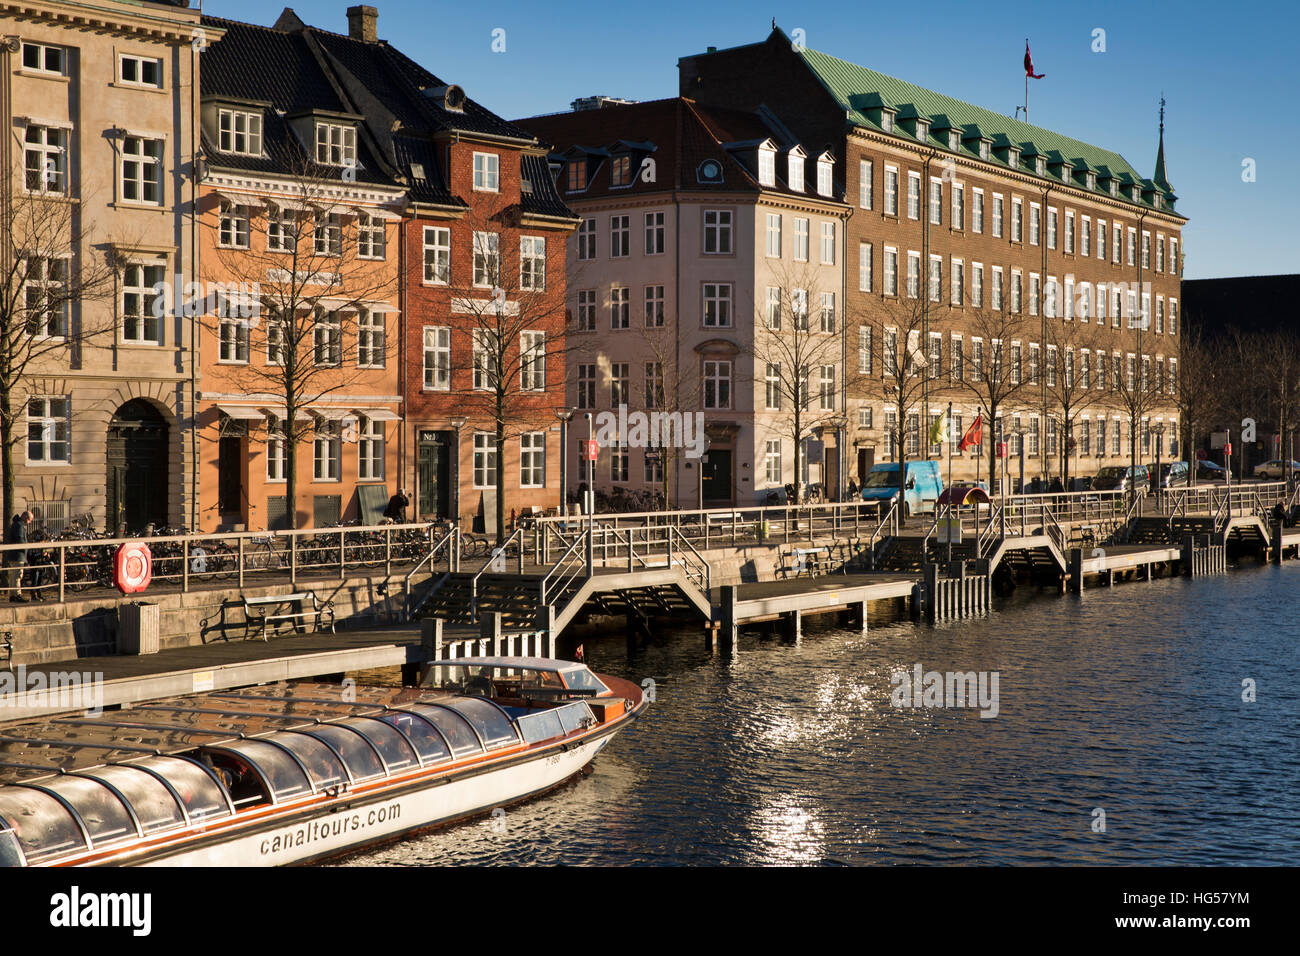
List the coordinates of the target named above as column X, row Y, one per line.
column 1229, row 74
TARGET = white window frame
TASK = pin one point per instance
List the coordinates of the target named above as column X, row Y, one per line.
column 487, row 172
column 49, row 424
column 437, row 358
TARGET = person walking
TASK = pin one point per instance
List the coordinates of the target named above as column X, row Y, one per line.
column 17, row 559
column 397, row 506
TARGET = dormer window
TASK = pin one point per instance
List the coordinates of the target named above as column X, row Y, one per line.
column 766, row 166
column 954, row 140
column 1067, row 172
column 823, row 177
column 1013, row 157
column 1091, row 180
column 620, row 170
column 922, row 130
column 336, row 144
column 577, row 175
column 984, row 149
column 1040, row 166
column 795, row 177
column 487, row 172
column 239, row 132
column 1114, row 188
column 1159, row 201
column 1133, row 193
column 887, row 120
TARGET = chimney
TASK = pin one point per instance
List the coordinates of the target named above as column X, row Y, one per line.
column 363, row 24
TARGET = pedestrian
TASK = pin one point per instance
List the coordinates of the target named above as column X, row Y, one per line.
column 17, row 559
column 853, row 489
column 397, row 506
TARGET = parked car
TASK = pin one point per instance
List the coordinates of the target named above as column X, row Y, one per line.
column 1174, row 474
column 1123, row 478
column 921, row 488
column 1275, row 470
column 1207, row 470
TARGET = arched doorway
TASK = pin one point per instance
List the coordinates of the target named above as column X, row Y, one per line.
column 137, row 488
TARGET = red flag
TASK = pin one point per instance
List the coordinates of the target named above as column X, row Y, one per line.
column 1029, row 65
column 974, row 435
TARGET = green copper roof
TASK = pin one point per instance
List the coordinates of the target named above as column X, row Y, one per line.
column 856, row 88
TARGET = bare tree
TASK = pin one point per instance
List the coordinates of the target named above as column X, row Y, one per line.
column 1276, row 363
column 1194, row 385
column 50, row 272
column 1069, row 379
column 311, row 286
column 797, row 353
column 671, row 387
column 1135, row 389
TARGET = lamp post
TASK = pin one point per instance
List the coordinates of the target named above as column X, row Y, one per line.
column 458, row 424
column 565, row 417
column 1159, row 430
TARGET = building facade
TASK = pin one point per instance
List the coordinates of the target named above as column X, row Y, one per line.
column 1009, row 269
column 707, row 271
column 99, row 103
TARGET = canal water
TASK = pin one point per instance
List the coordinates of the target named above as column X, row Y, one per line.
column 1121, row 737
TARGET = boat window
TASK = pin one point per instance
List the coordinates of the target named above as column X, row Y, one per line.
column 200, row 794
column 428, row 742
column 542, row 725
column 397, row 753
column 44, row 827
column 359, row 756
column 575, row 716
column 323, row 764
column 459, row 734
column 279, row 771
column 492, row 724
column 149, row 798
column 11, row 853
column 582, row 679
column 105, row 816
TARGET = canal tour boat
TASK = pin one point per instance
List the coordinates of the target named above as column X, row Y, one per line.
column 293, row 772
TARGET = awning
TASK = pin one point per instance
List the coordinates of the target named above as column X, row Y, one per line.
column 242, row 413
column 378, row 307
column 379, row 414
column 239, row 199
column 289, row 205
column 375, row 212
column 282, row 414
column 331, row 414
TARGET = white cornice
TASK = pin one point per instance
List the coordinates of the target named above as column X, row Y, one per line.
column 270, row 186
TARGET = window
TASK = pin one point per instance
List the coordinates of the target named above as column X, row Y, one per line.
column 532, row 460
column 864, row 267
column 586, row 386
column 864, row 417
column 620, row 305
column 1160, row 315
column 891, row 271
column 717, row 384
column 772, row 308
column 977, row 285
column 587, row 239
column 717, row 305
column 795, row 179
column 956, row 359
column 532, row 263
column 1035, row 295
column 327, row 450
column 913, row 274
column 1034, row 213
column 328, row 234
column 1101, row 239
column 41, row 58
column 1173, row 257
column 370, row 450
column 1069, row 232
column 233, row 334
column 890, row 358
column 140, row 324
column 577, row 169
column 827, row 314
column 826, row 388
column 487, row 259
column 485, row 460
column 437, row 358
column 955, row 435
column 620, row 384
column 997, row 216
column 45, row 159
column 934, row 355
column 717, row 231
column 654, row 385
column 891, row 434
column 1085, row 369
column 913, row 195
column 1069, row 297
column 1173, row 376
column 773, row 235
column 45, row 296
column 958, row 281
column 487, row 367
column 281, row 229
column 1085, row 236
column 936, row 202
column 801, row 240
column 48, row 425
column 1132, row 246
column 824, row 186
column 864, row 184
column 1115, row 439
column 371, row 339
column 532, row 361
column 233, row 230
column 1146, row 250
column 620, row 237
column 958, row 206
column 239, row 132
column 654, row 306
column 1015, row 362
column 936, row 277
column 618, row 461
column 828, row 243
column 336, row 145
column 891, row 191
column 327, row 339
column 772, row 469
column 437, row 255
column 654, row 233
column 1015, row 290
column 976, row 360
column 275, row 333
column 913, row 434
column 142, row 170
column 1033, row 363
column 1173, row 316
column 277, row 441
column 977, row 211
column 799, row 309
column 766, row 166
column 487, row 172
column 1016, row 209
column 864, row 350
column 995, row 297
column 772, row 386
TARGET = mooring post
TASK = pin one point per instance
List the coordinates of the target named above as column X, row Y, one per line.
column 863, row 607
column 489, row 630
column 431, row 638
column 1076, row 570
column 728, row 629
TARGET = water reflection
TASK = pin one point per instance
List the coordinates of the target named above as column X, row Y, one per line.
column 1127, row 700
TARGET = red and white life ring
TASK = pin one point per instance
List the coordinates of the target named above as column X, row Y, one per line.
column 132, row 567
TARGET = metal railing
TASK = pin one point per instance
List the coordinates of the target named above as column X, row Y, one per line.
column 75, row 566
column 572, row 564
column 499, row 556
column 449, row 547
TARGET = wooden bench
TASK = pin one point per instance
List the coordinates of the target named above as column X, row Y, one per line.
column 266, row 611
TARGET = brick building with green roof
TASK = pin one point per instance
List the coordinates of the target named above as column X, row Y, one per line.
column 1008, row 259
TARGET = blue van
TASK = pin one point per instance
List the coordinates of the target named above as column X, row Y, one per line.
column 921, row 489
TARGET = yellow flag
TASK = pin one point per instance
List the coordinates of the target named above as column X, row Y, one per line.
column 939, row 430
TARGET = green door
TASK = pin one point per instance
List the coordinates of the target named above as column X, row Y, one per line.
column 433, row 473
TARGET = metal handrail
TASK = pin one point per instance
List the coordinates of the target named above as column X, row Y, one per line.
column 1220, row 518
column 703, row 572
column 449, row 542
column 558, row 578
column 497, row 553
column 992, row 531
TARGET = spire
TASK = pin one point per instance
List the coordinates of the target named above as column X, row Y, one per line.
column 1159, row 178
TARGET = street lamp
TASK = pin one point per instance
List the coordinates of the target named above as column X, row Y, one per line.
column 458, row 424
column 1159, row 429
column 565, row 417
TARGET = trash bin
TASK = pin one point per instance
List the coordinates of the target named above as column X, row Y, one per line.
column 137, row 628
